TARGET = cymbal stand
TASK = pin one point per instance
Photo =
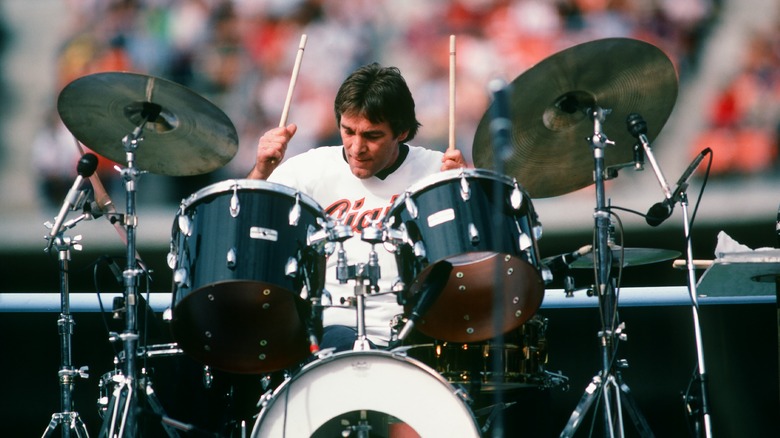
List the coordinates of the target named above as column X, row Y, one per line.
column 123, row 407
column 608, row 384
column 67, row 417
column 702, row 370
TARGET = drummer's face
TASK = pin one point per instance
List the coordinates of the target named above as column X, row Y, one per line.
column 369, row 147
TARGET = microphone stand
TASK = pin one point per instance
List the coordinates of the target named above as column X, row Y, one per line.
column 608, row 384
column 500, row 128
column 67, row 417
column 703, row 378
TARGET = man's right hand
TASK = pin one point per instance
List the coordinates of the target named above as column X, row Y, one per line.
column 270, row 151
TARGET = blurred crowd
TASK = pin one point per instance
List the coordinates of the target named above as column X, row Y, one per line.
column 239, row 54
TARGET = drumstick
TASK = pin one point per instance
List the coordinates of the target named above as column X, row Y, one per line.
column 293, row 79
column 452, row 93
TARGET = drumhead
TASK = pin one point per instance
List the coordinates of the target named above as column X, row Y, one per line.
column 374, row 381
column 248, row 184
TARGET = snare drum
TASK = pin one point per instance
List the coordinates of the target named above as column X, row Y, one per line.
column 485, row 226
column 242, row 269
column 353, row 390
column 517, row 362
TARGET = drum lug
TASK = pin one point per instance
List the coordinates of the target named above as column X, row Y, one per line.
column 295, row 211
column 235, row 207
column 473, row 234
column 465, row 190
column 538, row 231
column 291, row 267
column 185, row 225
column 181, row 278
column 419, row 249
column 232, row 258
column 411, row 207
column 172, row 256
column 463, row 394
column 516, row 198
column 525, row 242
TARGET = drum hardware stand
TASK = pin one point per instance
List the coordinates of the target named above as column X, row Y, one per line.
column 360, row 272
column 67, row 417
column 608, row 384
column 123, row 407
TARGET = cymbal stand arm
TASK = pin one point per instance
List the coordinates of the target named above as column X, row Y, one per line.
column 69, row 419
column 705, row 408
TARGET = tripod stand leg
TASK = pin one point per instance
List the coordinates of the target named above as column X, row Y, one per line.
column 158, row 409
column 592, row 392
column 55, row 420
column 640, row 423
column 119, row 407
column 70, row 421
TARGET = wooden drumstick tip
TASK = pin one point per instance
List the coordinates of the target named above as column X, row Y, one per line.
column 293, row 79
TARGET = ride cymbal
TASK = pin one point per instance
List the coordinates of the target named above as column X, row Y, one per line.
column 549, row 112
column 185, row 134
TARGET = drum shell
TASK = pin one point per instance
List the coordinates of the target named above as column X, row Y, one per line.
column 516, row 361
column 240, row 305
column 490, row 238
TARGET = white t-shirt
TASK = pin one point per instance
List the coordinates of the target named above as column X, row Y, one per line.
column 324, row 175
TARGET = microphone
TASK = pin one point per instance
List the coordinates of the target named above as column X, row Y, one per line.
column 562, row 262
column 86, row 167
column 661, row 211
column 637, row 127
column 429, row 292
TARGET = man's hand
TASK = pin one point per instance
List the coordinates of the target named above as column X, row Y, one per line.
column 270, row 151
column 452, row 159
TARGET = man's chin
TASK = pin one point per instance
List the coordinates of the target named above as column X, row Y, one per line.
column 362, row 173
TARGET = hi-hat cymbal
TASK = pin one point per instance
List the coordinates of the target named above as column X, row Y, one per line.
column 185, row 135
column 630, row 257
column 549, row 113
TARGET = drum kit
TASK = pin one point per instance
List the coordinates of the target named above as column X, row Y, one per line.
column 248, row 256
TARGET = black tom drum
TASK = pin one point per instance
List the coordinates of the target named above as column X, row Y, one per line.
column 485, row 226
column 243, row 273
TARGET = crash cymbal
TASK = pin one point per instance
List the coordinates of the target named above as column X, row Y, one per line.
column 630, row 256
column 549, row 106
column 185, row 135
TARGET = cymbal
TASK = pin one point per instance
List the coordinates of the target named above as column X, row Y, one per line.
column 185, row 134
column 550, row 120
column 631, row 257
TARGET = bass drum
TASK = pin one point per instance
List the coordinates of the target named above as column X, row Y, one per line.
column 242, row 269
column 354, row 390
